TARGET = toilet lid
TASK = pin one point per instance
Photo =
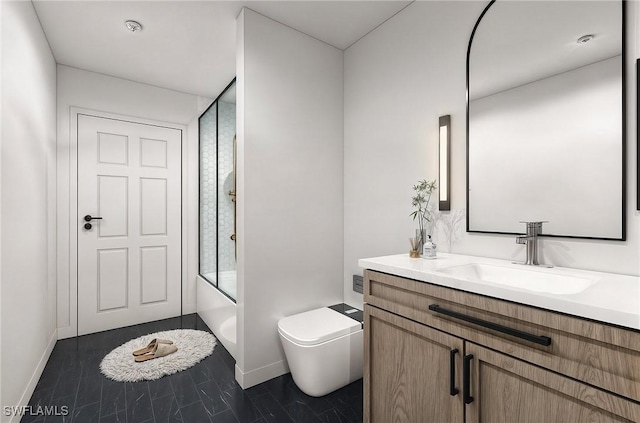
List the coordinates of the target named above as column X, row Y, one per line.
column 317, row 326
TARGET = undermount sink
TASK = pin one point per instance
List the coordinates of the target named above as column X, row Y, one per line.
column 517, row 276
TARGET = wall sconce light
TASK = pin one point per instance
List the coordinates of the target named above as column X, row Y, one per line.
column 444, row 163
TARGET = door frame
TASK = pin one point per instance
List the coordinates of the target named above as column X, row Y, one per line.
column 72, row 329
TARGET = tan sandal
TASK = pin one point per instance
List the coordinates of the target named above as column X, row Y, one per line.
column 151, row 345
column 160, row 350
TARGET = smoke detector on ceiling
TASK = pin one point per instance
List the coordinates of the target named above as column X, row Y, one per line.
column 133, row 26
column 585, row 39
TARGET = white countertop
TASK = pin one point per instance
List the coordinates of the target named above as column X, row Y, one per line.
column 612, row 298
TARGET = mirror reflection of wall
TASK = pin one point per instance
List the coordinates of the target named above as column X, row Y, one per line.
column 218, row 192
column 546, row 119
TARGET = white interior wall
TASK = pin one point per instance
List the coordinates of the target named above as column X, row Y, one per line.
column 633, row 49
column 1, row 80
column 290, row 210
column 28, row 203
column 398, row 80
column 93, row 91
column 189, row 293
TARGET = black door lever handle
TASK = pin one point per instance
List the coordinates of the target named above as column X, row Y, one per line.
column 453, row 391
column 466, row 379
column 89, row 218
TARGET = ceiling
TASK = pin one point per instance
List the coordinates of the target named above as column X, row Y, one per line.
column 188, row 46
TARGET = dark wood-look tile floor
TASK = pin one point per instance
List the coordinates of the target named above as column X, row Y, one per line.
column 204, row 393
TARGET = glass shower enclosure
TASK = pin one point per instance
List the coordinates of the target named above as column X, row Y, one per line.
column 217, row 216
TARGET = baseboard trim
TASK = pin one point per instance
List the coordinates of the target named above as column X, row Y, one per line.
column 189, row 308
column 262, row 374
column 67, row 332
column 35, row 377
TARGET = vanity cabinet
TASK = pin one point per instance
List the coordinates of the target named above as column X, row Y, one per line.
column 506, row 389
column 437, row 354
column 409, row 370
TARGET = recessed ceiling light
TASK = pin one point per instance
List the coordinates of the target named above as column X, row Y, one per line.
column 585, row 39
column 133, row 26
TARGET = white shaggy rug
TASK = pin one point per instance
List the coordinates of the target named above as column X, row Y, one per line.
column 193, row 346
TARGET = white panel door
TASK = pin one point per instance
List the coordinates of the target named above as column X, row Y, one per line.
column 129, row 261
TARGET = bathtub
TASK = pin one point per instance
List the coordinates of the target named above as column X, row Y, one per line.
column 226, row 283
column 218, row 311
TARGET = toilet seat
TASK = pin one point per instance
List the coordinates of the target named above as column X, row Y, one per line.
column 317, row 326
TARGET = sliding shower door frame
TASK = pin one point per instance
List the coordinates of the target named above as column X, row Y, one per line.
column 214, row 103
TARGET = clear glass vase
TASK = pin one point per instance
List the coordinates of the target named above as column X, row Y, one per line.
column 421, row 236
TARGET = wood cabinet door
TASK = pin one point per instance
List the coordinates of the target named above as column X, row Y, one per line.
column 505, row 389
column 407, row 373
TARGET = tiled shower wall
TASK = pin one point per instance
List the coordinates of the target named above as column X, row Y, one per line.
column 208, row 191
column 226, row 209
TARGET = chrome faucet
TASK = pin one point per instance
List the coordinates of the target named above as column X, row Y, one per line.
column 531, row 240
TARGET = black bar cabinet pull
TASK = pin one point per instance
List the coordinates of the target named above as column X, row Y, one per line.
column 466, row 379
column 542, row 340
column 452, row 369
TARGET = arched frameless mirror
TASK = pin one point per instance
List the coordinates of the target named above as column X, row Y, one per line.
column 546, row 118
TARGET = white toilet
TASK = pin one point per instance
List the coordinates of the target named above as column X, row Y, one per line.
column 324, row 348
